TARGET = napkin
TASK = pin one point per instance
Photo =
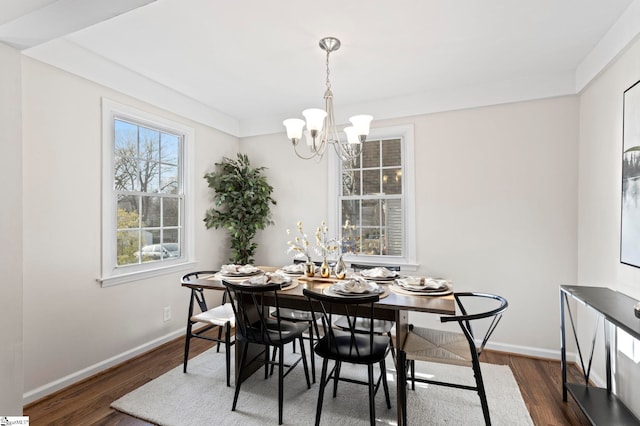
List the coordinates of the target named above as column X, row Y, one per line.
column 269, row 278
column 355, row 285
column 237, row 269
column 296, row 268
column 378, row 272
column 423, row 283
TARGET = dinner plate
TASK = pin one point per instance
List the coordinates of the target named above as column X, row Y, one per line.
column 383, row 279
column 401, row 290
column 241, row 274
column 423, row 289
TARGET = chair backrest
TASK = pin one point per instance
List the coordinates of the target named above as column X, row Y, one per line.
column 492, row 315
column 347, row 342
column 315, row 262
column 359, row 267
column 251, row 307
column 197, row 294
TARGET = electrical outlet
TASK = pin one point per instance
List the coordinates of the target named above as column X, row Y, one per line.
column 166, row 313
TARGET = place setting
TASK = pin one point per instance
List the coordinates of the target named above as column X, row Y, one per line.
column 379, row 274
column 235, row 273
column 422, row 286
column 354, row 287
column 285, row 281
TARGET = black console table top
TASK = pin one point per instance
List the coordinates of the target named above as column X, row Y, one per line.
column 616, row 307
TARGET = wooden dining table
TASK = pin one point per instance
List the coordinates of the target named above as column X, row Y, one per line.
column 392, row 306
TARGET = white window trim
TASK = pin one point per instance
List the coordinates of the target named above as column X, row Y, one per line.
column 408, row 261
column 110, row 274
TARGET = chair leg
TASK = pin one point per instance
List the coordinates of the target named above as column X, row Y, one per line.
column 281, row 381
column 227, row 351
column 243, row 357
column 304, row 362
column 323, row 383
column 313, row 360
column 393, row 349
column 385, row 386
column 219, row 338
column 187, row 342
column 481, row 392
column 336, row 378
column 413, row 374
column 372, row 401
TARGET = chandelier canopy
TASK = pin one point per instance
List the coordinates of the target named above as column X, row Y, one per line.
column 321, row 126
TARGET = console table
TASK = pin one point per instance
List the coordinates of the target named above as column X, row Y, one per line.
column 600, row 405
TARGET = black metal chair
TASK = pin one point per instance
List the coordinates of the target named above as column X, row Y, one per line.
column 457, row 348
column 254, row 326
column 350, row 346
column 383, row 327
column 219, row 316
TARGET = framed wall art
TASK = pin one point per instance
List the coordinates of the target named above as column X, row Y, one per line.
column 630, row 208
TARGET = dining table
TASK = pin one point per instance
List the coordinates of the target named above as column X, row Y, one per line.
column 393, row 306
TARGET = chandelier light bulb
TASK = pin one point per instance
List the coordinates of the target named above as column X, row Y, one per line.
column 294, row 128
column 352, row 137
column 315, row 119
column 361, row 124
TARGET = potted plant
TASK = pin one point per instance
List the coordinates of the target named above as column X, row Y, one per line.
column 242, row 204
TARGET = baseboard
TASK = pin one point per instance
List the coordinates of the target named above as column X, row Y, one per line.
column 92, row 370
column 572, row 357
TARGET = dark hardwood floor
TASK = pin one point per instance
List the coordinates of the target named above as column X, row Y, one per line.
column 87, row 402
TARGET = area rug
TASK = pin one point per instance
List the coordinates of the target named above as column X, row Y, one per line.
column 201, row 397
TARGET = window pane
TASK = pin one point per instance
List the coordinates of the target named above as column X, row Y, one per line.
column 128, row 214
column 169, row 179
column 171, row 243
column 394, row 227
column 127, row 247
column 371, row 154
column 370, row 213
column 151, row 249
column 170, row 211
column 151, row 211
column 351, row 212
column 126, row 139
column 392, row 181
column 353, row 163
column 169, row 147
column 149, row 144
column 370, row 241
column 149, row 176
column 391, row 153
column 351, row 182
column 125, row 176
column 371, row 182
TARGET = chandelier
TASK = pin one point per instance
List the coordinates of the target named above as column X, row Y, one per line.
column 321, row 125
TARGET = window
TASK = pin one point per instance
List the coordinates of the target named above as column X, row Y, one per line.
column 145, row 230
column 374, row 194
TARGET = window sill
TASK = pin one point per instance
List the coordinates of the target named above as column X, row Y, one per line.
column 141, row 275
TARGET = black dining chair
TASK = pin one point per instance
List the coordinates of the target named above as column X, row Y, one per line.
column 350, row 346
column 382, row 327
column 254, row 326
column 476, row 311
column 220, row 316
column 297, row 315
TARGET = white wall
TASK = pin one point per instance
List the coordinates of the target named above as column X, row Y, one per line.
column 599, row 199
column 11, row 348
column 72, row 326
column 496, row 191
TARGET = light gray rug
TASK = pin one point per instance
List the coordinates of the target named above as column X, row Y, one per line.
column 201, row 397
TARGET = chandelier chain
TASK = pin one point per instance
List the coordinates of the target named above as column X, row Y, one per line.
column 328, row 82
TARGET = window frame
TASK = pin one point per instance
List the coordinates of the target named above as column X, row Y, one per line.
column 408, row 261
column 111, row 273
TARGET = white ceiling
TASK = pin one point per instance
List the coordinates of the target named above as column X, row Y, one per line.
column 245, row 65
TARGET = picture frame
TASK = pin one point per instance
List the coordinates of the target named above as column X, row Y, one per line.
column 630, row 188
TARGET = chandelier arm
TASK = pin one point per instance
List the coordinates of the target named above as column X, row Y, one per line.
column 346, row 153
column 313, row 154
